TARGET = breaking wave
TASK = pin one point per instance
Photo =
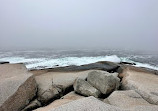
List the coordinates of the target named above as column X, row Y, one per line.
column 38, row 63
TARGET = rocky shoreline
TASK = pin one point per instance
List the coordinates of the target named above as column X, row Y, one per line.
column 101, row 86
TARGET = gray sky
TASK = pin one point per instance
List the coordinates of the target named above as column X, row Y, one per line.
column 131, row 24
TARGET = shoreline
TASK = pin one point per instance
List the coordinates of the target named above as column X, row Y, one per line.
column 77, row 68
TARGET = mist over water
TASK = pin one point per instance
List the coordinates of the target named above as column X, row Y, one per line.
column 48, row 58
column 93, row 24
column 35, row 31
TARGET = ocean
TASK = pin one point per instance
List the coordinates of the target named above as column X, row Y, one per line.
column 48, row 58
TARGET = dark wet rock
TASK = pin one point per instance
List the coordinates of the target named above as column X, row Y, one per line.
column 128, row 63
column 102, row 65
column 4, row 62
column 56, row 65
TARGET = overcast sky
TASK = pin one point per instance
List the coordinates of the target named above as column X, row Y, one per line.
column 131, row 24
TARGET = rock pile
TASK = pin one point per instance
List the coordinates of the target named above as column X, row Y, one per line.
column 53, row 85
column 90, row 87
column 98, row 82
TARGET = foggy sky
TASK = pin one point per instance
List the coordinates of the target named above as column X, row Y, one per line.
column 118, row 24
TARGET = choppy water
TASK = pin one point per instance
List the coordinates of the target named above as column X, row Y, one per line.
column 56, row 58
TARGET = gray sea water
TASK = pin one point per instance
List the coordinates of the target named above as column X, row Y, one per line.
column 48, row 58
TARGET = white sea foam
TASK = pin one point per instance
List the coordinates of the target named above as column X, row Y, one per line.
column 74, row 61
column 146, row 66
column 21, row 60
column 138, row 64
column 66, row 61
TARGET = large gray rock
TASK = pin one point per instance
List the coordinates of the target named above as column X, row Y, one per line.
column 17, row 87
column 65, row 99
column 86, row 104
column 53, row 84
column 144, row 83
column 84, row 88
column 126, row 99
column 91, row 104
column 104, row 81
